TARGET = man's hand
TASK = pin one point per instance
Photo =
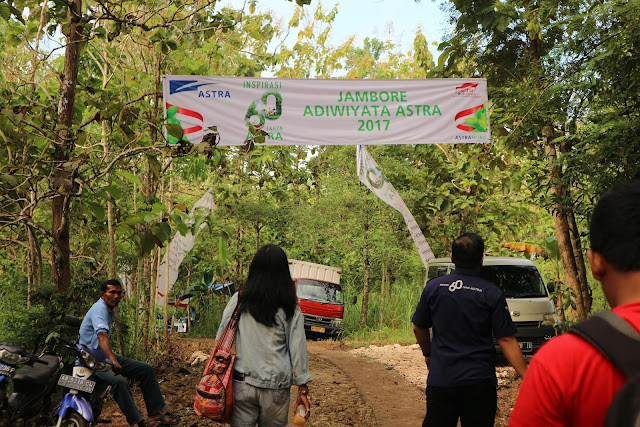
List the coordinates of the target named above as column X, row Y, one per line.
column 513, row 354
column 423, row 337
column 304, row 401
column 303, row 392
column 105, row 345
column 117, row 368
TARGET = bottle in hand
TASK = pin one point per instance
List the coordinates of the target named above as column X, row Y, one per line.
column 298, row 418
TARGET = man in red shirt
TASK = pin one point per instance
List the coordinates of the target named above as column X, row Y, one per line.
column 569, row 382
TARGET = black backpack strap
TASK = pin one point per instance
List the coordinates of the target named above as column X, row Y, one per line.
column 612, row 336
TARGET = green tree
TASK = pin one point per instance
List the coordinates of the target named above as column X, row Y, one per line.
column 516, row 46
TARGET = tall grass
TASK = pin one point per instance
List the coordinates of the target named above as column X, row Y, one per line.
column 388, row 320
column 209, row 310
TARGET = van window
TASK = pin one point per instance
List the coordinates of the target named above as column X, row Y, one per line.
column 437, row 271
column 516, row 281
column 317, row 290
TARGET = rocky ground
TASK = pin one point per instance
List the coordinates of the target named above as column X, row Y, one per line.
column 365, row 386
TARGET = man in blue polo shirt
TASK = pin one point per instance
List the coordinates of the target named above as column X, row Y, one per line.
column 95, row 332
column 465, row 312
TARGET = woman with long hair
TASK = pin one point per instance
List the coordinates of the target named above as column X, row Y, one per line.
column 271, row 347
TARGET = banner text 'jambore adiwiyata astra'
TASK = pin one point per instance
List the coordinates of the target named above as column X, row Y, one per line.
column 231, row 110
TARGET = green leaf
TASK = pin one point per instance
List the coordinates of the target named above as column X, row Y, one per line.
column 222, row 250
column 175, row 130
column 158, row 208
column 98, row 210
column 154, row 164
column 124, row 228
column 114, row 190
column 5, row 12
column 9, row 180
column 130, row 177
column 147, row 243
column 196, row 224
column 150, row 218
column 100, row 32
column 161, row 232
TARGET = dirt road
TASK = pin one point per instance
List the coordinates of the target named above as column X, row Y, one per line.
column 384, row 389
column 375, row 386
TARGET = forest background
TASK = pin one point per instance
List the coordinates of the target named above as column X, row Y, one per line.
column 89, row 188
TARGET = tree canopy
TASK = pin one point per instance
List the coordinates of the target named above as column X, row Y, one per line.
column 90, row 189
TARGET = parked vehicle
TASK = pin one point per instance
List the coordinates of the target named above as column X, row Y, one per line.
column 528, row 298
column 320, row 296
column 34, row 379
column 82, row 405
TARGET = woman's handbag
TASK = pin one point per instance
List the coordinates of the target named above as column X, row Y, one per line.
column 214, row 394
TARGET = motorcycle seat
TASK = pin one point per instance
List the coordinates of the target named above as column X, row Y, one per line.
column 39, row 373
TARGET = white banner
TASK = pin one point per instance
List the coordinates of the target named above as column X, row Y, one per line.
column 179, row 247
column 327, row 112
column 370, row 175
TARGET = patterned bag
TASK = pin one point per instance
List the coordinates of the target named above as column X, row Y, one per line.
column 214, row 394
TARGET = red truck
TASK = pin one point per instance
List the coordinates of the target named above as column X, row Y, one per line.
column 319, row 296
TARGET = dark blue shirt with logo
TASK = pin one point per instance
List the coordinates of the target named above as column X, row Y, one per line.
column 465, row 312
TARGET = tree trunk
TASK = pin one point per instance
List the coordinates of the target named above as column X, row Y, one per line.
column 31, row 265
column 136, row 284
column 149, row 279
column 383, row 285
column 561, row 224
column 165, row 305
column 576, row 244
column 61, row 180
column 579, row 257
column 146, row 306
column 136, row 299
column 365, row 279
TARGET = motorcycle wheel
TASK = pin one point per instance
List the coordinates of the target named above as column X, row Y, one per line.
column 73, row 419
column 4, row 422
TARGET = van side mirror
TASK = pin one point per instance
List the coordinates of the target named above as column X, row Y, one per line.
column 551, row 286
column 355, row 299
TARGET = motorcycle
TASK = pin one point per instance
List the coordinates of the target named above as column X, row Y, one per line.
column 82, row 405
column 34, row 380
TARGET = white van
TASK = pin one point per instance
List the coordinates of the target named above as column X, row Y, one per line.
column 531, row 308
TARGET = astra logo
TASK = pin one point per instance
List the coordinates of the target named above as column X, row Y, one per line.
column 176, row 86
column 472, row 119
column 467, row 89
column 459, row 284
column 455, row 285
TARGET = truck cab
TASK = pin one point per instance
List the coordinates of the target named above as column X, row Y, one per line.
column 320, row 296
column 530, row 305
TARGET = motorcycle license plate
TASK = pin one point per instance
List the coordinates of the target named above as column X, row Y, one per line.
column 6, row 369
column 317, row 329
column 526, row 346
column 79, row 384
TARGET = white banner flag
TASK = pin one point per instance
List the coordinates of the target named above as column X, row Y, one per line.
column 370, row 175
column 327, row 111
column 179, row 247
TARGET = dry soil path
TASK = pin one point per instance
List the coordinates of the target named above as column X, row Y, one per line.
column 394, row 400
column 370, row 386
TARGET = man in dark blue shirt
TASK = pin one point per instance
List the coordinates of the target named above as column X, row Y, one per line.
column 465, row 312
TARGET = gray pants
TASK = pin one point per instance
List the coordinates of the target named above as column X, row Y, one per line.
column 263, row 406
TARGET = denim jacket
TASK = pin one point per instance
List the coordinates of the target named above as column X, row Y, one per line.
column 269, row 357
